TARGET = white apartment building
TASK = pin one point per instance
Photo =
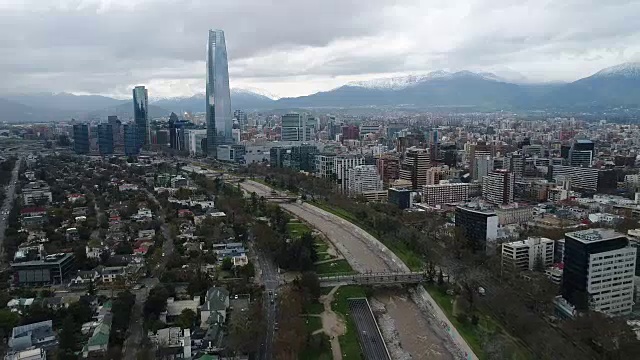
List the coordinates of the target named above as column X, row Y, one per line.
column 599, row 268
column 522, row 255
column 325, row 165
column 342, row 165
column 444, row 193
column 610, row 280
column 497, row 187
column 364, row 178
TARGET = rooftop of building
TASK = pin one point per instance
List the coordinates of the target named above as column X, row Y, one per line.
column 594, row 235
column 55, row 259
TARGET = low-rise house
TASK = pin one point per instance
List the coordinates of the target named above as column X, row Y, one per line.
column 112, row 273
column 33, row 354
column 176, row 307
column 146, row 233
column 172, row 343
column 215, row 306
column 85, row 277
column 73, row 198
column 35, row 335
column 143, row 214
column 184, row 213
column 98, row 343
column 16, row 305
column 128, row 187
column 33, row 211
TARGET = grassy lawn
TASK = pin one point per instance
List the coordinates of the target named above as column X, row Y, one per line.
column 335, row 267
column 321, row 246
column 349, row 341
column 407, row 256
column 313, row 323
column 473, row 334
column 297, row 228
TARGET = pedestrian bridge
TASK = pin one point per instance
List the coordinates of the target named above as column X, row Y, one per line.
column 373, row 278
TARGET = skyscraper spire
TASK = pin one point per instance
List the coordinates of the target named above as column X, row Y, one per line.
column 218, row 96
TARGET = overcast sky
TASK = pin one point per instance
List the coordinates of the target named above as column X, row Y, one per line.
column 297, row 47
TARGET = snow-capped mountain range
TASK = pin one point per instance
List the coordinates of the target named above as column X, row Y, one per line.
column 402, row 82
column 631, row 70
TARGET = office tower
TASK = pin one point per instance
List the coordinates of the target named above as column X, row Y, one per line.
column 241, row 116
column 141, row 115
column 344, row 163
column 363, row 178
column 308, row 132
column 276, row 156
column 438, row 173
column 81, row 138
column 162, row 137
column 581, row 153
column 300, row 158
column 291, row 127
column 445, row 193
column 193, row 140
column 369, row 129
column 218, row 95
column 388, row 168
column 479, row 226
column 105, row 139
column 116, row 127
column 585, row 179
column 599, row 265
column 325, row 166
column 414, row 167
column 173, row 122
column 482, row 165
column 497, row 187
column 400, row 197
column 131, row 147
column 528, row 254
column 350, row 132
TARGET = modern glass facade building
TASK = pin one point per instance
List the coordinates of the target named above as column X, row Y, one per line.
column 105, row 139
column 131, row 147
column 218, row 96
column 81, row 138
column 141, row 115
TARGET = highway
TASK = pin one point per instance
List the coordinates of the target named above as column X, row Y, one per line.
column 371, row 341
column 350, row 239
column 134, row 338
column 10, row 191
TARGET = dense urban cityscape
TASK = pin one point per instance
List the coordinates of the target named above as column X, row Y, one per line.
column 357, row 223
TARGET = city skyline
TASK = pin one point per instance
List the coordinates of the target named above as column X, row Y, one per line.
column 345, row 42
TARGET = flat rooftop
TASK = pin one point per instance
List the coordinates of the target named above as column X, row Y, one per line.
column 49, row 260
column 594, row 235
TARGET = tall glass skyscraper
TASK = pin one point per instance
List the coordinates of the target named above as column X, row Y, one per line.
column 141, row 115
column 218, row 96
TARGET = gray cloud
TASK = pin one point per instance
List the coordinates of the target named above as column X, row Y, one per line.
column 299, row 46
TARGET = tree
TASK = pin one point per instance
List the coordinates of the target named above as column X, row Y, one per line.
column 310, row 285
column 68, row 337
column 227, row 264
column 8, row 320
column 186, row 319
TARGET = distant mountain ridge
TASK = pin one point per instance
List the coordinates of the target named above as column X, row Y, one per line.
column 613, row 87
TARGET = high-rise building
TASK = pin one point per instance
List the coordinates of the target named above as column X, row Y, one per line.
column 291, row 129
column 350, row 132
column 414, row 167
column 218, row 95
column 193, row 140
column 445, row 193
column 325, row 166
column 527, row 254
column 363, row 178
column 116, row 127
column 344, row 163
column 81, row 138
column 388, row 168
column 482, row 165
column 276, row 156
column 497, row 187
column 173, row 134
column 581, row 153
column 131, row 147
column 584, row 178
column 599, row 266
column 400, row 197
column 105, row 139
column 479, row 226
column 241, row 116
column 141, row 115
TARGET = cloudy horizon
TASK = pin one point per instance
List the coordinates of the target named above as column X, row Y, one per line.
column 297, row 47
